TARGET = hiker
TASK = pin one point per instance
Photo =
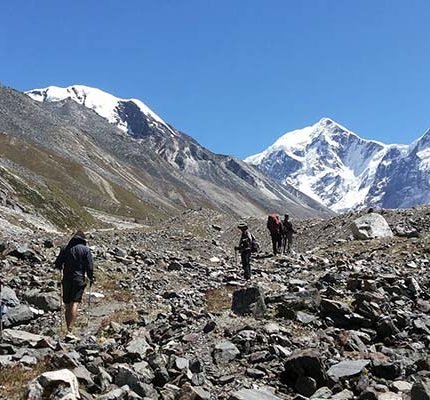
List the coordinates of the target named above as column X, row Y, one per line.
column 274, row 225
column 245, row 248
column 287, row 233
column 76, row 262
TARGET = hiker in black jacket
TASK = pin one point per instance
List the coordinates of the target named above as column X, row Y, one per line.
column 244, row 248
column 76, row 262
column 287, row 233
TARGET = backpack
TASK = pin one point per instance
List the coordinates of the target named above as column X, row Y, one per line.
column 255, row 246
column 274, row 224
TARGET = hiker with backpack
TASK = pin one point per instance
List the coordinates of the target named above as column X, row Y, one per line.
column 76, row 262
column 287, row 233
column 247, row 245
column 274, row 225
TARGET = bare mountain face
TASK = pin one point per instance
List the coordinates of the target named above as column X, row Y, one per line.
column 343, row 171
column 135, row 166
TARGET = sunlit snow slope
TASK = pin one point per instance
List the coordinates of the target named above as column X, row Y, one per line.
column 124, row 113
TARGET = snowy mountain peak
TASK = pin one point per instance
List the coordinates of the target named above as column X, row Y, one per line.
column 326, row 161
column 124, row 113
column 333, row 165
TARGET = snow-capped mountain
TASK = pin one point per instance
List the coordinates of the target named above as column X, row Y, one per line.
column 333, row 165
column 164, row 167
column 130, row 115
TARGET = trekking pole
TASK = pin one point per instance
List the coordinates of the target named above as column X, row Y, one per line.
column 60, row 283
column 1, row 312
column 89, row 303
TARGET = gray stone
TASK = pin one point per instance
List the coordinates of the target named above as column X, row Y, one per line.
column 127, row 376
column 6, row 361
column 255, row 373
column 49, row 301
column 122, row 393
column 62, row 382
column 390, row 396
column 249, row 301
column 18, row 315
column 343, row 395
column 23, row 253
column 22, row 338
column 253, row 394
column 347, row 368
column 370, row 226
column 305, row 318
column 28, row 360
column 305, row 363
column 83, row 376
column 145, row 371
column 421, row 390
column 271, row 328
column 225, row 352
column 181, row 363
column 104, row 379
column 322, row 393
column 8, row 297
column 306, row 386
column 138, row 347
column 174, row 266
column 401, row 386
column 198, row 393
column 209, row 327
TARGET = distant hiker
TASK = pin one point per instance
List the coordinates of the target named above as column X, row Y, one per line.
column 287, row 233
column 245, row 248
column 76, row 262
column 274, row 225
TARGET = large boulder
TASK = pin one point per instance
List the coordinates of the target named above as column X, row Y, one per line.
column 127, row 376
column 46, row 301
column 55, row 385
column 23, row 338
column 347, row 369
column 421, row 390
column 249, row 301
column 370, row 226
column 18, row 315
column 8, row 297
column 225, row 352
column 304, row 369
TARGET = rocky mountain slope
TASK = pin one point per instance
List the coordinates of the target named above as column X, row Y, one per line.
column 343, row 171
column 338, row 319
column 61, row 155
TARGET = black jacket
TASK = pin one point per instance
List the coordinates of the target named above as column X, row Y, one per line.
column 76, row 261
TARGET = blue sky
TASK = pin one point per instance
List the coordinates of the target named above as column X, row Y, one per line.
column 234, row 74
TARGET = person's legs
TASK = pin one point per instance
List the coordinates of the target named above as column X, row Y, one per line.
column 279, row 243
column 71, row 315
column 284, row 243
column 71, row 301
column 274, row 244
column 290, row 242
column 246, row 264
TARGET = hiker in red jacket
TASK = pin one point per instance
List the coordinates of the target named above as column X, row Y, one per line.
column 274, row 225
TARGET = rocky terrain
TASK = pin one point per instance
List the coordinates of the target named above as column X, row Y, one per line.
column 170, row 316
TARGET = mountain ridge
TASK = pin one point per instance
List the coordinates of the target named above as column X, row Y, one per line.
column 337, row 167
column 148, row 176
